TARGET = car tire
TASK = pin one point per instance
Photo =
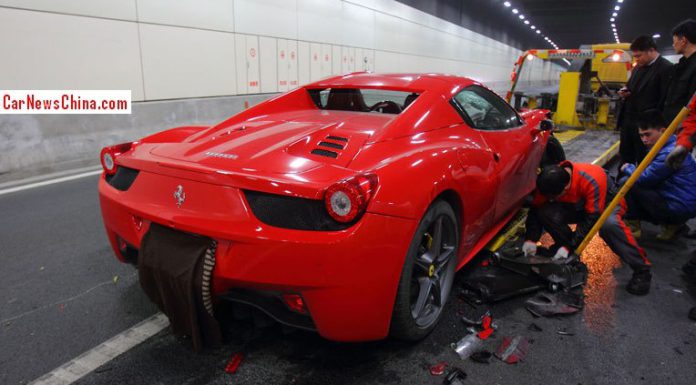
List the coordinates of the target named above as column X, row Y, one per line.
column 425, row 287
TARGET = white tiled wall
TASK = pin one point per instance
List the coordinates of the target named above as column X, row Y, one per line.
column 43, row 50
column 205, row 14
column 178, row 62
column 268, row 61
column 162, row 49
column 115, row 9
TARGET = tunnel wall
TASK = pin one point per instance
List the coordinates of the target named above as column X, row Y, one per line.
column 199, row 61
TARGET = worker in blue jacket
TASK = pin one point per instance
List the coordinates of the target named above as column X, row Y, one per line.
column 661, row 195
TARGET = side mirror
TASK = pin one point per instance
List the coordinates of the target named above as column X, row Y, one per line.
column 546, row 125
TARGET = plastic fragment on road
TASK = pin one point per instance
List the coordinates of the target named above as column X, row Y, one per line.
column 438, row 369
column 534, row 327
column 513, row 350
column 474, row 315
column 115, row 278
column 482, row 357
column 487, row 325
column 467, row 345
column 565, row 332
column 552, row 304
column 471, row 297
column 233, row 363
column 455, row 377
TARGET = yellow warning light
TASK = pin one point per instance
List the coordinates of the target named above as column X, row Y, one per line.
column 616, row 57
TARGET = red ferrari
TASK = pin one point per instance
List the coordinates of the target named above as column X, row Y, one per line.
column 345, row 206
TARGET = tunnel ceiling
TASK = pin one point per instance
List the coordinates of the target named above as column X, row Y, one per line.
column 569, row 23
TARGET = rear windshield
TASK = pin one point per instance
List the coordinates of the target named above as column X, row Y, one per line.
column 362, row 99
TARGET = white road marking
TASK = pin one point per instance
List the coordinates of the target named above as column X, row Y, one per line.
column 89, row 361
column 49, row 182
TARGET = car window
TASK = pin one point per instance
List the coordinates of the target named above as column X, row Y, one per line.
column 362, row 99
column 484, row 110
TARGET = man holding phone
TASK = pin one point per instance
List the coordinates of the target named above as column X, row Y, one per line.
column 644, row 91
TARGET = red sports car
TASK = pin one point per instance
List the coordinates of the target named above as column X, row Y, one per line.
column 344, row 206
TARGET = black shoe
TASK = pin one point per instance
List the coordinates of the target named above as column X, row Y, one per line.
column 692, row 313
column 639, row 283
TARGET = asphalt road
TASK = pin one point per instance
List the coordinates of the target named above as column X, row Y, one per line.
column 59, row 298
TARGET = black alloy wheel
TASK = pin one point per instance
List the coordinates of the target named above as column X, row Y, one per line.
column 428, row 274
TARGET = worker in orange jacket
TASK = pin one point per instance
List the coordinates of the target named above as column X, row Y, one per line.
column 686, row 138
column 578, row 193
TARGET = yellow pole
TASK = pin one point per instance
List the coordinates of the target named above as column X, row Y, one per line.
column 629, row 183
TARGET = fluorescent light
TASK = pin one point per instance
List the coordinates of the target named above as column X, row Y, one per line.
column 615, row 14
column 612, row 19
column 521, row 17
column 656, row 36
column 617, row 8
column 526, row 22
column 613, row 25
column 619, row 1
column 532, row 27
column 538, row 31
column 515, row 11
column 507, row 4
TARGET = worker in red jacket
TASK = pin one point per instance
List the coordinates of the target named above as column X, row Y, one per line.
column 685, row 139
column 578, row 193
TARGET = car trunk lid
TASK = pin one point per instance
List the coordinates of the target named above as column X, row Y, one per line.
column 289, row 144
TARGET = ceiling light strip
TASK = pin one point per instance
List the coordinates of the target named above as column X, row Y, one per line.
column 525, row 20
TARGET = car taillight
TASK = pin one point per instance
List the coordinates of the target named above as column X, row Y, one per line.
column 348, row 199
column 108, row 156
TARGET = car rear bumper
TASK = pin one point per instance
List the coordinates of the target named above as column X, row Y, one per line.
column 347, row 279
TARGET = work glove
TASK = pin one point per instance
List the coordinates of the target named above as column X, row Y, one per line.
column 529, row 248
column 677, row 156
column 561, row 253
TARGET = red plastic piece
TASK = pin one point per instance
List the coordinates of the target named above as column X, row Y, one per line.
column 487, row 328
column 233, row 363
column 438, row 369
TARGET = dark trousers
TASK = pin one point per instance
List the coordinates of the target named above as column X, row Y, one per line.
column 647, row 204
column 555, row 218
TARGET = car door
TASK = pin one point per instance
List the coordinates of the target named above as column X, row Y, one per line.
column 511, row 143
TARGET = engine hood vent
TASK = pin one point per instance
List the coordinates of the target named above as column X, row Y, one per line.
column 331, row 146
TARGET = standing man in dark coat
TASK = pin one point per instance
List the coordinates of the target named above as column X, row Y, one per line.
column 644, row 91
column 681, row 87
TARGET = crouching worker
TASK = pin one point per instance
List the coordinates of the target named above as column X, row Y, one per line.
column 578, row 193
column 661, row 194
